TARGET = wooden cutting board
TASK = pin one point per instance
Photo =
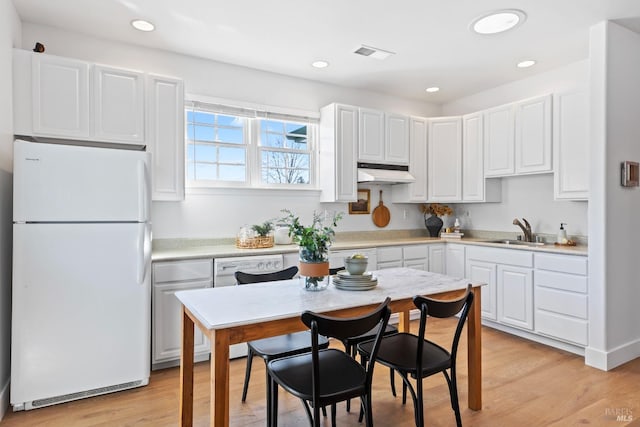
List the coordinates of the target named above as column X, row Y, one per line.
column 381, row 215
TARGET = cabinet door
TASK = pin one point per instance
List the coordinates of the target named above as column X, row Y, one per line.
column 533, row 135
column 445, row 159
column 392, row 264
column 416, row 191
column 118, row 105
column 338, row 153
column 454, row 260
column 515, row 296
column 165, row 138
column 472, row 158
column 484, row 272
column 371, row 136
column 499, row 141
column 60, row 95
column 167, row 322
column 437, row 256
column 571, row 145
column 417, row 264
column 396, row 147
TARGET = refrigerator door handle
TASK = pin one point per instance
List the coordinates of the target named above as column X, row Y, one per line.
column 144, row 249
column 143, row 193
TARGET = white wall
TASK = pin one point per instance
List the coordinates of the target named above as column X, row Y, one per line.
column 9, row 37
column 221, row 213
column 526, row 196
column 614, row 271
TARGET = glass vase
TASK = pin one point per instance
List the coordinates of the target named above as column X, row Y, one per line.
column 314, row 270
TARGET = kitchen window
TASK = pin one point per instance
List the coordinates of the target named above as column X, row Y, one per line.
column 240, row 147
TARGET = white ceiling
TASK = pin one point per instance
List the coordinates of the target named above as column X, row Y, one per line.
column 431, row 38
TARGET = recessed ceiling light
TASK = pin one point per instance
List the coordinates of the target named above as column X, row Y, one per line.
column 498, row 21
column 142, row 25
column 432, row 89
column 320, row 64
column 526, row 64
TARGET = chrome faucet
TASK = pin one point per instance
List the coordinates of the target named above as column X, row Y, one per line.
column 526, row 229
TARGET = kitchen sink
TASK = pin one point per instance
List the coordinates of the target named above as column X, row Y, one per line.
column 516, row 242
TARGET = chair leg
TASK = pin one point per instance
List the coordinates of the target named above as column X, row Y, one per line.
column 369, row 410
column 392, row 380
column 247, row 374
column 351, row 351
column 404, row 393
column 333, row 415
column 453, row 392
column 419, row 403
column 272, row 404
column 324, row 411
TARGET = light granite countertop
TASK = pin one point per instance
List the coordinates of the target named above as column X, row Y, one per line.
column 179, row 249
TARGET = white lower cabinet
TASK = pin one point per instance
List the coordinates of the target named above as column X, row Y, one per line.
column 515, row 296
column 508, row 297
column 454, row 260
column 437, row 257
column 412, row 256
column 561, row 299
column 389, row 257
column 166, row 336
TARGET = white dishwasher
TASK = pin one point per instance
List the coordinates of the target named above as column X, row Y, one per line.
column 224, row 275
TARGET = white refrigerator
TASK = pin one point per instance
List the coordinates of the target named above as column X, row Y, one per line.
column 81, row 296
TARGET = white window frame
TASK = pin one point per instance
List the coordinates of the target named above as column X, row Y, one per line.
column 254, row 114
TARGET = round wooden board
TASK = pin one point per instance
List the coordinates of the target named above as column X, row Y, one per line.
column 381, row 215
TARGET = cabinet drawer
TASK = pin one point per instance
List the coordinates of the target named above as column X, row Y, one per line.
column 501, row 256
column 201, row 269
column 392, row 253
column 567, row 282
column 571, row 264
column 565, row 328
column 562, row 302
column 416, row 252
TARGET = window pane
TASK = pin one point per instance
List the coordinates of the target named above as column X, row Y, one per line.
column 271, row 126
column 272, row 140
column 296, row 128
column 207, row 172
column 190, row 152
column 203, row 133
column 190, row 171
column 233, row 135
column 200, row 117
column 232, row 155
column 205, row 153
column 297, row 142
column 232, row 173
column 229, row 121
column 285, row 167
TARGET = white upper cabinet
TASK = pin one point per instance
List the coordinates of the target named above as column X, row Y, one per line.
column 60, row 96
column 165, row 136
column 66, row 98
column 571, row 145
column 533, row 136
column 383, row 137
column 118, row 104
column 337, row 159
column 517, row 138
column 416, row 191
column 445, row 159
column 397, row 144
column 472, row 158
column 371, row 136
column 499, row 141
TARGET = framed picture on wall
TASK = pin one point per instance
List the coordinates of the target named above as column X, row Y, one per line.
column 363, row 205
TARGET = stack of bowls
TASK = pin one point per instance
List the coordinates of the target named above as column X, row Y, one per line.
column 356, row 266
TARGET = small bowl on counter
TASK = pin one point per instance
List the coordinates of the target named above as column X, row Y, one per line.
column 356, row 266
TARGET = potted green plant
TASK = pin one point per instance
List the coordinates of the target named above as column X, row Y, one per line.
column 314, row 242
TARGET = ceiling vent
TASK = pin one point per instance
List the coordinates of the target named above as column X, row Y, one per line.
column 373, row 52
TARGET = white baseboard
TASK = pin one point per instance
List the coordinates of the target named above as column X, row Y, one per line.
column 4, row 399
column 607, row 360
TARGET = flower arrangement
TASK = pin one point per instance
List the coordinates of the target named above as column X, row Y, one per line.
column 314, row 240
column 435, row 209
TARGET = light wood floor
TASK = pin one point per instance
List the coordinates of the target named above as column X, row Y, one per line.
column 524, row 383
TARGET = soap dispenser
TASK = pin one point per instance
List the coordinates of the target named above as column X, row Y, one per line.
column 562, row 234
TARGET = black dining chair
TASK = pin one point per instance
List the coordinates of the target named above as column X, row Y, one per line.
column 413, row 355
column 327, row 376
column 350, row 343
column 279, row 346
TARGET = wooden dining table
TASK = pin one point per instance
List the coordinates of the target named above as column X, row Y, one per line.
column 236, row 314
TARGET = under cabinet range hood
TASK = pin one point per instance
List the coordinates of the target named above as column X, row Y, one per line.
column 384, row 174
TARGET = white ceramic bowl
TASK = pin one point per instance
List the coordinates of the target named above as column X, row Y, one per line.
column 356, row 266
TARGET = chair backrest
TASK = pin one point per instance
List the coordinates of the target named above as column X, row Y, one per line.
column 342, row 328
column 246, row 278
column 443, row 309
column 333, row 271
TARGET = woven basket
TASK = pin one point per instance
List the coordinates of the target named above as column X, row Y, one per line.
column 255, row 242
